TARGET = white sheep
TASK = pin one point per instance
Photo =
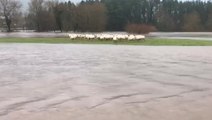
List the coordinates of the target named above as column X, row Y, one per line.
column 98, row 36
column 90, row 36
column 108, row 37
column 139, row 37
column 102, row 37
column 115, row 38
column 122, row 37
column 72, row 36
column 131, row 37
column 81, row 36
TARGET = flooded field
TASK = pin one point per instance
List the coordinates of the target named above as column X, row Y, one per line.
column 183, row 35
column 105, row 82
column 32, row 35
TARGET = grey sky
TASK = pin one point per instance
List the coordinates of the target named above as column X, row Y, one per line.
column 25, row 2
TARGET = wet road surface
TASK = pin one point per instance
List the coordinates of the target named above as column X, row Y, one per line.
column 105, row 82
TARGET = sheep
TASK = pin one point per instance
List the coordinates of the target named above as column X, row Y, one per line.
column 139, row 37
column 131, row 37
column 122, row 37
column 98, row 36
column 80, row 36
column 105, row 36
column 102, row 38
column 108, row 37
column 90, row 36
column 72, row 36
column 115, row 38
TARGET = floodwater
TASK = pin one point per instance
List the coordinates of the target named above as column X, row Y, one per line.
column 168, row 35
column 32, row 35
column 183, row 35
column 105, row 82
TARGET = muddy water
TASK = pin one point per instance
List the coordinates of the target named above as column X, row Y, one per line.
column 105, row 82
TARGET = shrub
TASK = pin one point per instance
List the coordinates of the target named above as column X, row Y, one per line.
column 139, row 28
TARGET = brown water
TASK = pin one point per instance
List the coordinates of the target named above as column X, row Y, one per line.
column 105, row 82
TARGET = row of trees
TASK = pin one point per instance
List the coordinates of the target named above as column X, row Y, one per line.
column 110, row 15
column 52, row 15
column 9, row 12
column 166, row 15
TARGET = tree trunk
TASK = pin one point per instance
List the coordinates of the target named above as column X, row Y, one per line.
column 8, row 23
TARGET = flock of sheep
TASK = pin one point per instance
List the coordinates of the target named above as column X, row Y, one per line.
column 105, row 36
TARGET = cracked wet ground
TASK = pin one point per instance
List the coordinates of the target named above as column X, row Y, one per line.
column 105, row 82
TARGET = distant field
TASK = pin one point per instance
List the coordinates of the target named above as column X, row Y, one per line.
column 153, row 42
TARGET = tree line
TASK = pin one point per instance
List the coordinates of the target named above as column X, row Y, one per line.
column 107, row 15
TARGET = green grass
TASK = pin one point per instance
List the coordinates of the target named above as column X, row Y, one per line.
column 151, row 42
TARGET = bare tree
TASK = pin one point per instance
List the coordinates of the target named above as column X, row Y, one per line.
column 41, row 15
column 91, row 17
column 209, row 22
column 192, row 22
column 9, row 10
column 35, row 10
column 165, row 21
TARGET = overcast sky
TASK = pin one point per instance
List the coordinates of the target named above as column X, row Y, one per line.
column 25, row 2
